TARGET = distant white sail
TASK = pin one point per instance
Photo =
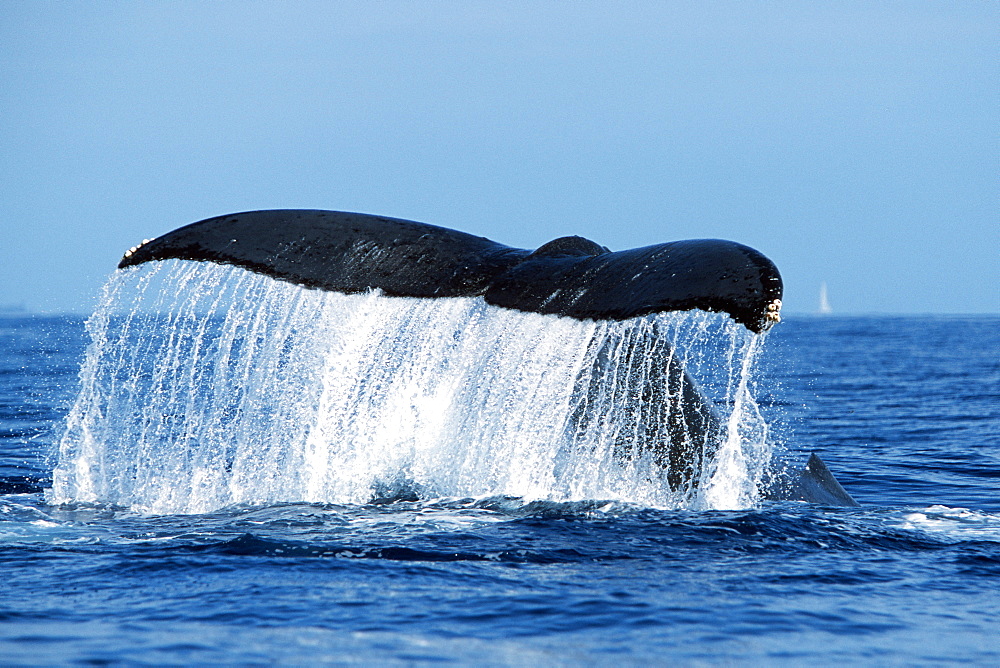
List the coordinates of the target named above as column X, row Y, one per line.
column 824, row 303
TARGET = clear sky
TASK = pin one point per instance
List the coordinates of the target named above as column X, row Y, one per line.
column 856, row 143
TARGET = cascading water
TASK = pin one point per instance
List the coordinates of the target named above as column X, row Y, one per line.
column 207, row 385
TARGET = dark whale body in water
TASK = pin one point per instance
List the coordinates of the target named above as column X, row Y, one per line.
column 570, row 276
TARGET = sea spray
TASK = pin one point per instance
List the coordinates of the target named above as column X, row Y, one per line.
column 206, row 386
column 745, row 451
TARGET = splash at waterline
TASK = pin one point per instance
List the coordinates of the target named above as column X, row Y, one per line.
column 206, row 386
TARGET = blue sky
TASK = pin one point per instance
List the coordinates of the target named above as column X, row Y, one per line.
column 853, row 143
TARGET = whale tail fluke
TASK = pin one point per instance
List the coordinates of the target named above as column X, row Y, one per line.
column 571, row 276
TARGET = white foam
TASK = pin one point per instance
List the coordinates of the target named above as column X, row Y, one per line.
column 206, row 386
column 957, row 524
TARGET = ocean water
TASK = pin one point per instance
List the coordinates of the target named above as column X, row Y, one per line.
column 115, row 548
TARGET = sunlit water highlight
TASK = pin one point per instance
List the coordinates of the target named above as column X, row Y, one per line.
column 206, row 386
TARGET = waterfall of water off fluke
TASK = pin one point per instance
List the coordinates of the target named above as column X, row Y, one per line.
column 206, row 386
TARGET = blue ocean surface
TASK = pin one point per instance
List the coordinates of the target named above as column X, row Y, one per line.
column 904, row 410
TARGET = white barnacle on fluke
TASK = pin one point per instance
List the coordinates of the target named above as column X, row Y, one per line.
column 131, row 251
column 773, row 314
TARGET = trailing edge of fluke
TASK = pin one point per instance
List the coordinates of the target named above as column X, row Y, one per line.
column 570, row 276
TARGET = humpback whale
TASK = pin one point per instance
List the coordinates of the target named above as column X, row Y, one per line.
column 569, row 276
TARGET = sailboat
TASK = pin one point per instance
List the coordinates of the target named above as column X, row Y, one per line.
column 824, row 303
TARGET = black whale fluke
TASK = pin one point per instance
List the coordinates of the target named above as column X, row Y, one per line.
column 571, row 276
